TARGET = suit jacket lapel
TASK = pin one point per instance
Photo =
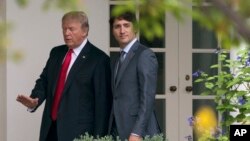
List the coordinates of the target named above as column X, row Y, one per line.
column 126, row 61
column 58, row 65
column 80, row 60
column 113, row 70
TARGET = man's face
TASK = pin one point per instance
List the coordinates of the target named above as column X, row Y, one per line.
column 123, row 32
column 73, row 33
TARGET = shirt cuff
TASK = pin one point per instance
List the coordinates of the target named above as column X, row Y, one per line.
column 133, row 134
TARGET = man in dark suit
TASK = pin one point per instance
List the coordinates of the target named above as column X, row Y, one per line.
column 134, row 78
column 85, row 100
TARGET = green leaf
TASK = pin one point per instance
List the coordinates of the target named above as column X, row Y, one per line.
column 240, row 117
column 209, row 85
column 214, row 66
column 199, row 80
column 221, row 92
column 206, row 93
column 22, row 3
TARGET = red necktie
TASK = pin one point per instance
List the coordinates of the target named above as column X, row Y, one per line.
column 60, row 85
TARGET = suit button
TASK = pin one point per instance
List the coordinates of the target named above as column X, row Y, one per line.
column 115, row 97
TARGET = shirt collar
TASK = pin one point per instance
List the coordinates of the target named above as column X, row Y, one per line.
column 127, row 47
column 77, row 50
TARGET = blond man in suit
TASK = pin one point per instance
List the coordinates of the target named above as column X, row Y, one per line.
column 85, row 100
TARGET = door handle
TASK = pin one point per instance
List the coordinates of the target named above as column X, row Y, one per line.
column 172, row 88
column 189, row 88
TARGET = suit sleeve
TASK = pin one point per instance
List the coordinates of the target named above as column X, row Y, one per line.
column 103, row 97
column 147, row 72
column 40, row 89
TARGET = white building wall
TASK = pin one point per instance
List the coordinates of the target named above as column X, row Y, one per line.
column 2, row 82
column 34, row 33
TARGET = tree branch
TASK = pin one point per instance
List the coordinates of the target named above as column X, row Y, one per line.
column 236, row 19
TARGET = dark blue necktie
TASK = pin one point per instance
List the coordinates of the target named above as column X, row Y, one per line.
column 119, row 63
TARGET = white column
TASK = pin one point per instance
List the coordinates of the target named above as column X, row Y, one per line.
column 3, row 81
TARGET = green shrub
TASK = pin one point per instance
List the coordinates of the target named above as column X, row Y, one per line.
column 88, row 137
column 231, row 89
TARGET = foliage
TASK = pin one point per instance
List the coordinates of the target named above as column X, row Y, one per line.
column 226, row 18
column 152, row 14
column 230, row 87
column 22, row 3
column 87, row 137
column 15, row 55
column 59, row 4
column 2, row 41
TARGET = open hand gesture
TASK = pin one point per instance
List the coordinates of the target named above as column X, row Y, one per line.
column 27, row 101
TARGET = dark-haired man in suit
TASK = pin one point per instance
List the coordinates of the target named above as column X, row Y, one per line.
column 134, row 78
column 75, row 83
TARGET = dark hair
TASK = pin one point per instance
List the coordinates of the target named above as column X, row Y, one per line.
column 128, row 16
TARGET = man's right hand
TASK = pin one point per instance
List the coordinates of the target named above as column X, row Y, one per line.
column 27, row 101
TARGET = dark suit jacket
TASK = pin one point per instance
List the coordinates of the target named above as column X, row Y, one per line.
column 86, row 99
column 134, row 93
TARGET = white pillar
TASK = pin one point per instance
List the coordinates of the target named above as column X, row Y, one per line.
column 3, row 125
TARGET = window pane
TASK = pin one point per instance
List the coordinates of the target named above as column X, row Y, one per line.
column 202, row 62
column 160, row 114
column 205, row 115
column 113, row 42
column 161, row 73
column 203, row 38
column 156, row 42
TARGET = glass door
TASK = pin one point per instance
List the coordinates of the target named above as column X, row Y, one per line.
column 203, row 54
